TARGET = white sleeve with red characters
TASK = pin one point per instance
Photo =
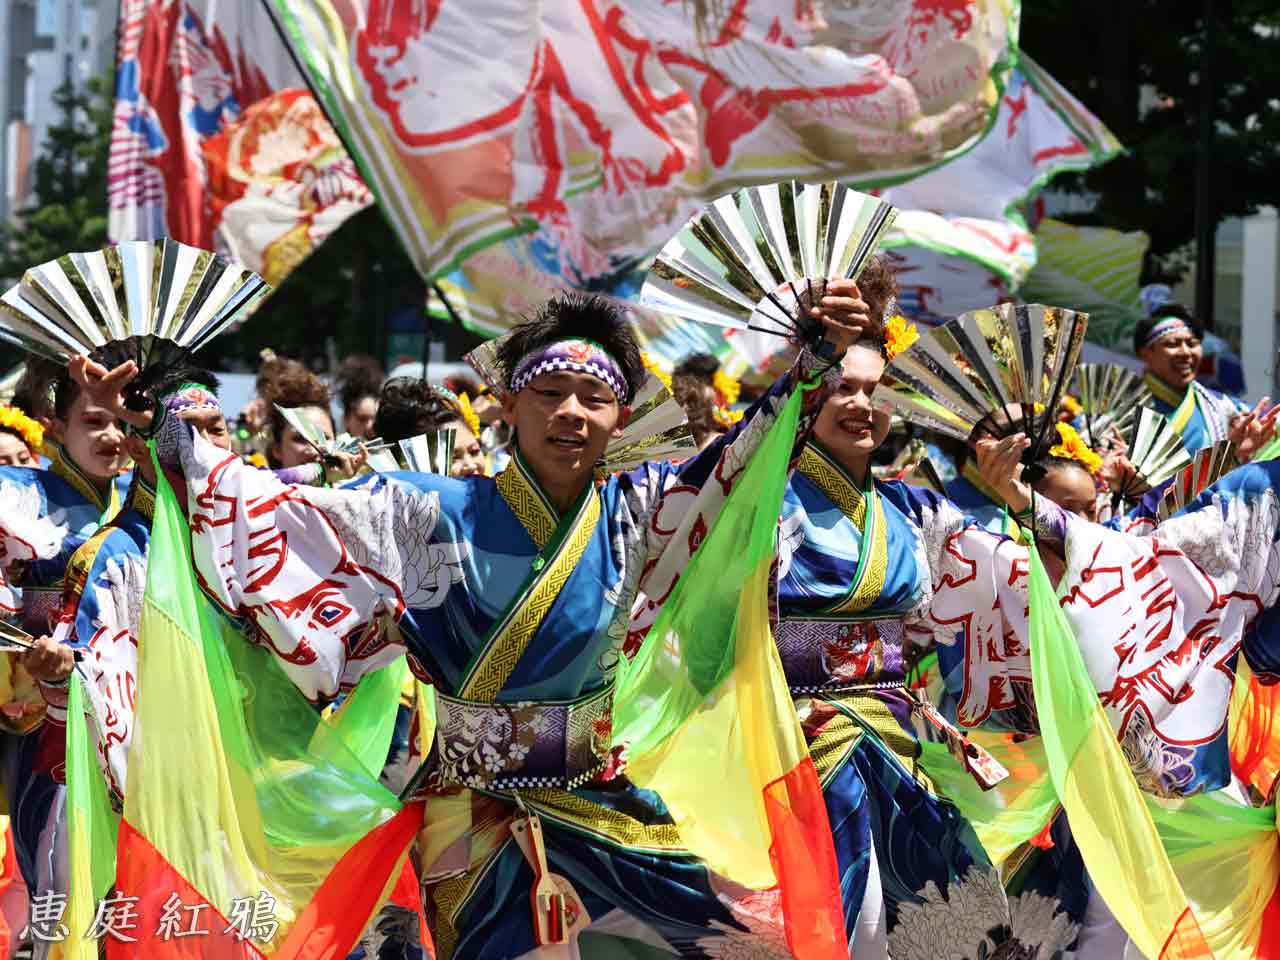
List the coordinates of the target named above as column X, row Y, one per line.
column 313, row 572
column 27, row 530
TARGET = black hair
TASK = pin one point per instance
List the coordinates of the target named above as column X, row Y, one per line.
column 407, row 407
column 697, row 366
column 34, row 392
column 358, row 377
column 570, row 316
column 1142, row 330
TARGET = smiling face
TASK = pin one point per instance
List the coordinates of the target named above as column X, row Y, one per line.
column 468, row 456
column 92, row 438
column 1174, row 358
column 563, row 422
column 291, row 449
column 848, row 426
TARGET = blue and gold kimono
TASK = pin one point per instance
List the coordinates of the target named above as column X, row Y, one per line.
column 1202, row 416
column 516, row 614
column 45, row 516
column 854, row 584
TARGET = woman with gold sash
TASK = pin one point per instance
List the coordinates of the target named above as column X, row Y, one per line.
column 854, row 588
column 513, row 597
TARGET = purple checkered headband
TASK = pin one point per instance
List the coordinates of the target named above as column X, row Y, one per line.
column 578, row 356
column 191, row 396
column 1167, row 326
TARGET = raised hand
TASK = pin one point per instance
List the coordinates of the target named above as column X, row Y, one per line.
column 843, row 313
column 1000, row 466
column 106, row 388
column 1252, row 430
column 344, row 466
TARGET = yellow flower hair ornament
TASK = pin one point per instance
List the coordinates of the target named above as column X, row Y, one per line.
column 899, row 335
column 1071, row 446
column 1071, row 405
column 725, row 417
column 468, row 414
column 30, row 432
column 726, row 387
column 652, row 366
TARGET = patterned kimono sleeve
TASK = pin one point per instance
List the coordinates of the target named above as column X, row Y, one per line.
column 1160, row 620
column 310, row 571
column 27, row 531
column 672, row 506
column 977, row 608
column 102, row 606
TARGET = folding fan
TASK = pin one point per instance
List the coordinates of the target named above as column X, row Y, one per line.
column 325, row 447
column 993, row 371
column 1111, row 396
column 1206, row 468
column 171, row 297
column 1156, row 452
column 753, row 260
column 430, row 452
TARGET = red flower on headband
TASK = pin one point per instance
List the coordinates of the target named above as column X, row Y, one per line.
column 578, row 352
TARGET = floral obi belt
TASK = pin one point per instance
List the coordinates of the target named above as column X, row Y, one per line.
column 521, row 745
column 830, row 655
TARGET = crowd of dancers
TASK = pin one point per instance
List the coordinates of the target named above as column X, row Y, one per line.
column 511, row 543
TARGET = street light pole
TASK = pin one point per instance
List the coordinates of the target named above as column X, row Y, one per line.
column 1205, row 221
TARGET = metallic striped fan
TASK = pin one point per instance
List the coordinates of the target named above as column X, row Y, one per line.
column 1207, row 467
column 1156, row 452
column 305, row 427
column 1111, row 396
column 657, row 430
column 999, row 369
column 746, row 260
column 164, row 293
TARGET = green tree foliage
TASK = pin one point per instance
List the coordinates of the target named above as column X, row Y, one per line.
column 1135, row 64
column 69, row 208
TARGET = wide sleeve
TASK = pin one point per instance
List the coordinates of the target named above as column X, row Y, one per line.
column 311, row 572
column 102, row 607
column 28, row 530
column 1161, row 618
column 672, row 506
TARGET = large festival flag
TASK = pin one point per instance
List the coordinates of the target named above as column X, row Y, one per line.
column 1108, row 813
column 247, row 815
column 216, row 141
column 962, row 238
column 708, row 722
column 596, row 127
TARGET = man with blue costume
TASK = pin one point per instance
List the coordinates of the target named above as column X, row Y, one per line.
column 1169, row 345
column 512, row 596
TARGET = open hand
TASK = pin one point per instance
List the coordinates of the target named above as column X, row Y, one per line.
column 1252, row 430
column 106, row 388
column 1120, row 474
